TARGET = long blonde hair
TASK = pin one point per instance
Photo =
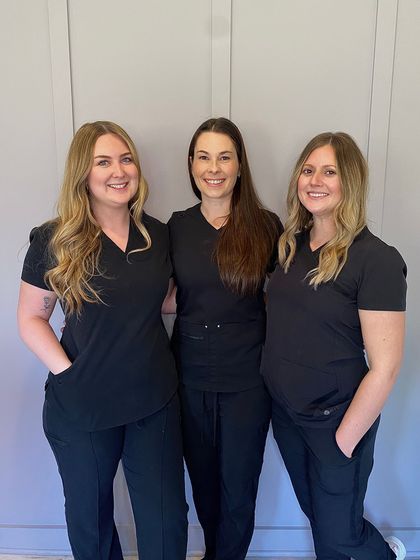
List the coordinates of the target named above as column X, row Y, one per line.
column 349, row 214
column 75, row 245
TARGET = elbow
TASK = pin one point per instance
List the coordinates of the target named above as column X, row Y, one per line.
column 389, row 373
column 24, row 328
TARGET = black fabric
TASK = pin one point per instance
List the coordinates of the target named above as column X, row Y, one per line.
column 218, row 334
column 331, row 488
column 122, row 366
column 313, row 359
column 150, row 450
column 224, row 439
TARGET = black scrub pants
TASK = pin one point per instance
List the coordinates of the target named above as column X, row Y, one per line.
column 331, row 488
column 151, row 454
column 224, row 441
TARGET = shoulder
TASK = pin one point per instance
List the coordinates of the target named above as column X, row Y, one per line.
column 158, row 231
column 183, row 216
column 152, row 222
column 370, row 250
column 273, row 220
column 41, row 235
column 379, row 272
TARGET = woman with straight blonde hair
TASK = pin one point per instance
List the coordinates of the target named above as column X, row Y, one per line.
column 111, row 389
column 338, row 290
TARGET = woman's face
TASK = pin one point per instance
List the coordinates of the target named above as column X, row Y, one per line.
column 319, row 188
column 113, row 178
column 215, row 165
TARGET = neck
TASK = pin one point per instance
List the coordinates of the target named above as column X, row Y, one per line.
column 322, row 231
column 112, row 219
column 217, row 211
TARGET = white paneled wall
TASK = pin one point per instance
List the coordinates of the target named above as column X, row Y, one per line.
column 283, row 71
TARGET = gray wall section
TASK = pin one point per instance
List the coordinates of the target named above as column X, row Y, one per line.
column 283, row 71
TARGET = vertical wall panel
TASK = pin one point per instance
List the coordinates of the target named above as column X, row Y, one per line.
column 30, row 491
column 299, row 68
column 147, row 66
column 401, row 228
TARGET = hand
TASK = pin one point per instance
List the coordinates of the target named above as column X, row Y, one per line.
column 63, row 369
column 345, row 448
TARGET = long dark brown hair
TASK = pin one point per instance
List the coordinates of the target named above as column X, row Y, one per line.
column 245, row 244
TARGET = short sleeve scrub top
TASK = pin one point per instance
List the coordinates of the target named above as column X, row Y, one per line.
column 122, row 366
column 314, row 356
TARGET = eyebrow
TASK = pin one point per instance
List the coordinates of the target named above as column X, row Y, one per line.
column 220, row 153
column 326, row 165
column 110, row 157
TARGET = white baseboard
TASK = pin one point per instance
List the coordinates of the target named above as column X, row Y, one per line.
column 268, row 543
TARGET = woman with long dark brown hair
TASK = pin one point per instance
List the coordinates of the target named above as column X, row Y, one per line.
column 221, row 251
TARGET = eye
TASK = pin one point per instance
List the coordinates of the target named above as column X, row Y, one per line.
column 203, row 157
column 127, row 159
column 306, row 171
column 103, row 163
column 224, row 158
column 330, row 172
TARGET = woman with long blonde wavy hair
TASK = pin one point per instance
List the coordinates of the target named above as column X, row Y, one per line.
column 337, row 292
column 111, row 388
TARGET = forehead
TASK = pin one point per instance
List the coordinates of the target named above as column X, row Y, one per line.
column 324, row 155
column 108, row 144
column 214, row 142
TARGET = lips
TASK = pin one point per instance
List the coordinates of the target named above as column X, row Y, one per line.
column 317, row 195
column 117, row 186
column 214, row 182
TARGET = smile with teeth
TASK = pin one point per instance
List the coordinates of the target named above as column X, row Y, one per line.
column 317, row 194
column 117, row 186
column 214, row 181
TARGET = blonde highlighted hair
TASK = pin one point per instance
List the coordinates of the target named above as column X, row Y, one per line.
column 75, row 245
column 349, row 214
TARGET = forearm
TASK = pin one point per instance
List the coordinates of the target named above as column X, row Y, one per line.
column 364, row 409
column 169, row 303
column 41, row 339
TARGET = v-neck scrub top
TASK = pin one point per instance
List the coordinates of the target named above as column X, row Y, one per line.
column 313, row 359
column 218, row 334
column 122, row 366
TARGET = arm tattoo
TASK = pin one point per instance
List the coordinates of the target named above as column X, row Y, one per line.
column 47, row 304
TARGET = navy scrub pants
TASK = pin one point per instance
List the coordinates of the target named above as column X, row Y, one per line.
column 224, row 441
column 331, row 488
column 151, row 454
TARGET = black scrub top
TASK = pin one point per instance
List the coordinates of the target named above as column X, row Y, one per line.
column 313, row 359
column 122, row 366
column 218, row 334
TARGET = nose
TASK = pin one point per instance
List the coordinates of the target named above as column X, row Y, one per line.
column 213, row 165
column 316, row 177
column 117, row 169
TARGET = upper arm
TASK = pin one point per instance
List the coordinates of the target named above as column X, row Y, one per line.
column 383, row 337
column 35, row 302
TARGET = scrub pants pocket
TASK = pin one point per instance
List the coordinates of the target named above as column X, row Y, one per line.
column 331, row 488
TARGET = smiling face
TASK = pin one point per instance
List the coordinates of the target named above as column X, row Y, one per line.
column 113, row 178
column 215, row 165
column 319, row 187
